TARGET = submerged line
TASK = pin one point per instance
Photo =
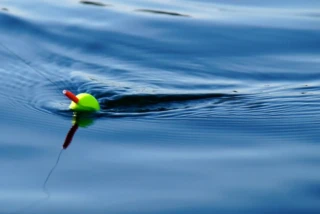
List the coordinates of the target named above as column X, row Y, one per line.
column 44, row 189
column 44, row 186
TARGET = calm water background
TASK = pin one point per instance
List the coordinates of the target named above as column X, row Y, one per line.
column 207, row 106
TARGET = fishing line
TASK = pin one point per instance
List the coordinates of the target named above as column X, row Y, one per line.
column 28, row 64
column 44, row 189
column 44, row 186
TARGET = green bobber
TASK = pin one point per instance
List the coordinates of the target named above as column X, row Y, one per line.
column 82, row 102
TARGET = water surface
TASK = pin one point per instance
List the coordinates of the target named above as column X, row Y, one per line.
column 207, row 106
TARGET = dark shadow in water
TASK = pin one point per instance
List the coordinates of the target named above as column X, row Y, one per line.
column 158, row 102
column 94, row 3
column 5, row 9
column 162, row 12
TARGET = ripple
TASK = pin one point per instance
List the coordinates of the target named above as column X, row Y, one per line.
column 94, row 3
column 161, row 12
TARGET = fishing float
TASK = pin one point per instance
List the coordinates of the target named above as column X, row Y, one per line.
column 83, row 102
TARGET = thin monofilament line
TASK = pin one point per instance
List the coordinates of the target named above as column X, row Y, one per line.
column 37, row 203
column 44, row 186
column 34, row 69
column 28, row 64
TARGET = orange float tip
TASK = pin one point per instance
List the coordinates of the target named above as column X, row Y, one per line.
column 71, row 96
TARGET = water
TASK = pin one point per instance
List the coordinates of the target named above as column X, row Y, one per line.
column 207, row 106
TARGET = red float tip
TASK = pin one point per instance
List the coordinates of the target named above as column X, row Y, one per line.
column 71, row 96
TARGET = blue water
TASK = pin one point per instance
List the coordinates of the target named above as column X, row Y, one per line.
column 207, row 106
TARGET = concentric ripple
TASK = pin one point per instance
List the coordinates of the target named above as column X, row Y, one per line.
column 130, row 77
